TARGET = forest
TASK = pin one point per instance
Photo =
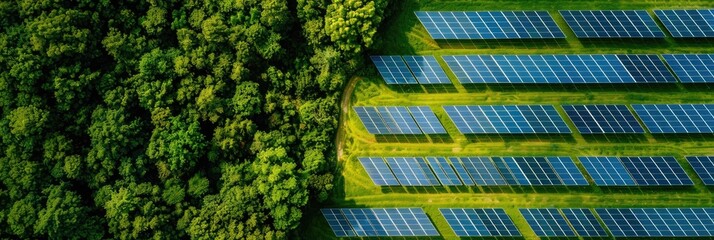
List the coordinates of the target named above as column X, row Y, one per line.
column 172, row 119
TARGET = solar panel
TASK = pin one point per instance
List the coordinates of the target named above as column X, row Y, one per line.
column 412, row 171
column 393, row 69
column 692, row 68
column 564, row 69
column 443, row 171
column 372, row 120
column 385, row 222
column 338, row 222
column 537, row 170
column 596, row 119
column 656, row 171
column 677, row 118
column 511, row 119
column 427, row 70
column 398, row 120
column 567, row 171
column 489, row 25
column 704, row 166
column 688, row 23
column 470, row 222
column 378, row 171
column 584, row 222
column 547, row 222
column 481, row 170
column 612, row 24
column 510, row 170
column 427, row 120
column 658, row 222
column 607, row 171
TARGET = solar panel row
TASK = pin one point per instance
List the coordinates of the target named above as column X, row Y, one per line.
column 632, row 171
column 584, row 23
column 379, row 222
column 677, row 118
column 399, row 120
column 566, row 69
column 481, row 171
column 704, row 167
column 472, row 222
column 410, row 70
column 658, row 222
column 597, row 119
column 508, row 119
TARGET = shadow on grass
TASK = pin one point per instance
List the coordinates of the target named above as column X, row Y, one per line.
column 691, row 137
column 406, row 88
column 646, row 189
column 578, row 87
column 633, row 43
column 441, row 138
column 694, row 42
column 401, row 138
column 476, row 138
column 439, row 88
column 502, row 43
column 476, row 189
column 615, row 138
column 698, row 87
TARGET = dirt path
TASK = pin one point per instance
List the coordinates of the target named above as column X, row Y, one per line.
column 345, row 106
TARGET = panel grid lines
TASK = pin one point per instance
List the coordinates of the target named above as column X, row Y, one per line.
column 677, row 118
column 658, row 222
column 378, row 171
column 692, row 68
column 510, row 119
column 481, row 170
column 656, row 171
column 470, row 222
column 584, row 222
column 393, row 69
column 444, row 171
column 612, row 24
column 490, row 25
column 568, row 171
column 704, row 167
column 607, row 171
column 547, row 222
column 427, row 120
column 412, row 171
column 427, row 70
column 598, row 119
column 338, row 222
column 688, row 23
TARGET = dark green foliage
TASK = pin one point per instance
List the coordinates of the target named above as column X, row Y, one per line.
column 171, row 119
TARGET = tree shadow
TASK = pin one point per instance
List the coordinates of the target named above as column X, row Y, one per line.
column 632, row 43
column 684, row 137
column 577, row 87
column 476, row 138
column 502, row 43
column 615, row 138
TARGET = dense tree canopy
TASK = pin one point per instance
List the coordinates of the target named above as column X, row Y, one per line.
column 165, row 119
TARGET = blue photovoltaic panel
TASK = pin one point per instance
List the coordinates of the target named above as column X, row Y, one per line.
column 481, row 169
column 511, row 119
column 656, row 171
column 692, row 68
column 469, row 222
column 371, row 120
column 584, row 222
column 537, row 170
column 461, row 171
column 607, row 171
column 688, row 23
column 386, row 222
column 427, row 120
column 547, row 222
column 595, row 119
column 338, row 223
column 427, row 70
column 677, row 118
column 704, row 166
column 567, row 171
column 398, row 120
column 489, row 25
column 378, row 171
column 393, row 69
column 658, row 222
column 510, row 170
column 443, row 171
column 566, row 69
column 612, row 24
column 412, row 171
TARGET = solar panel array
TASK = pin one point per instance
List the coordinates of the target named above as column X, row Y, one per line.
column 399, row 120
column 427, row 70
column 704, row 166
column 378, row 171
column 566, row 69
column 688, row 23
column 393, row 69
column 692, row 68
column 547, row 222
column 471, row 222
column 567, row 171
column 527, row 171
column 677, row 118
column 490, row 25
column 612, row 24
column 477, row 171
column 596, row 119
column 510, row 119
column 379, row 222
column 412, row 171
column 631, row 171
column 584, row 222
column 658, row 222
column 443, row 170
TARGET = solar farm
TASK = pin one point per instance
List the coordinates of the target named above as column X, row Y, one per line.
column 528, row 120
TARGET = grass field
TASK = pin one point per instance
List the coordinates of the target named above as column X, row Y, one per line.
column 402, row 34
